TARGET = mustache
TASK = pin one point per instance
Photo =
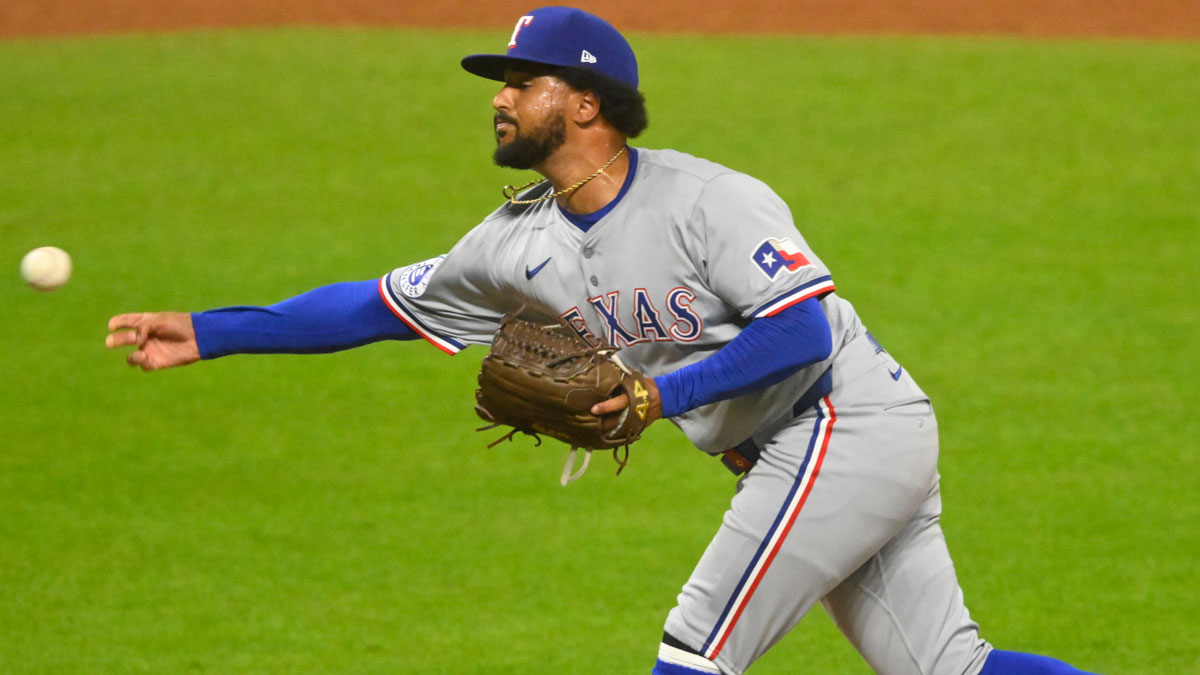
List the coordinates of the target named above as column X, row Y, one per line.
column 503, row 117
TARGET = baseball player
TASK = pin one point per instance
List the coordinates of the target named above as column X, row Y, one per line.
column 698, row 273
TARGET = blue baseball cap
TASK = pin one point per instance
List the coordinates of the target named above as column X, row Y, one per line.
column 562, row 36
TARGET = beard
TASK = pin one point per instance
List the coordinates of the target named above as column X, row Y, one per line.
column 527, row 151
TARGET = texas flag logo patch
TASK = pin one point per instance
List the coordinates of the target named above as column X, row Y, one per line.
column 779, row 254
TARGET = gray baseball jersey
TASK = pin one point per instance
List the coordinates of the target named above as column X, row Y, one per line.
column 842, row 504
column 689, row 255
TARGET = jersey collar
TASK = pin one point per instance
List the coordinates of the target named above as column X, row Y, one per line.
column 585, row 221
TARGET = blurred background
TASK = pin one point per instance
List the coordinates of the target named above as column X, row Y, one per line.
column 1007, row 192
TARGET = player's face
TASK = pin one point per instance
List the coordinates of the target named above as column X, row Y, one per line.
column 530, row 122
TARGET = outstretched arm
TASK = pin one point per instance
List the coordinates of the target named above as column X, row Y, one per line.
column 329, row 318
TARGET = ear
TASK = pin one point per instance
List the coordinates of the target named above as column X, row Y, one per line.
column 585, row 108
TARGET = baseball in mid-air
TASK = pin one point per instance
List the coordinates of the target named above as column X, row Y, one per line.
column 46, row 268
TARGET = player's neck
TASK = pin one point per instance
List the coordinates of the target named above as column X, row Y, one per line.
column 565, row 169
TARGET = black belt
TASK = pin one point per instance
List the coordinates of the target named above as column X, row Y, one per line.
column 742, row 457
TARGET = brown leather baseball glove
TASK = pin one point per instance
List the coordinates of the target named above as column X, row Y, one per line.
column 544, row 379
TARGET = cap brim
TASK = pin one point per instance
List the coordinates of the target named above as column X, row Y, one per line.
column 490, row 66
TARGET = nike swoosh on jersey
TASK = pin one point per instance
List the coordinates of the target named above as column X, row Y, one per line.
column 530, row 273
column 896, row 375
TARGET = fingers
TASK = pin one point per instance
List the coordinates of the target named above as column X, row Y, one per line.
column 619, row 403
column 612, row 405
column 161, row 339
column 121, row 321
column 126, row 330
column 140, row 358
column 122, row 339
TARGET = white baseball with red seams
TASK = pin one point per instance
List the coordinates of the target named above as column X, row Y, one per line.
column 46, row 268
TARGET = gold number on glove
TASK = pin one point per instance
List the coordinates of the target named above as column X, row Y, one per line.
column 643, row 398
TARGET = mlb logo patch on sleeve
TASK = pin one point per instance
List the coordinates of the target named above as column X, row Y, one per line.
column 777, row 254
column 414, row 279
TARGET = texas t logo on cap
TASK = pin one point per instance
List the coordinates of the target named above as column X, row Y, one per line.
column 521, row 23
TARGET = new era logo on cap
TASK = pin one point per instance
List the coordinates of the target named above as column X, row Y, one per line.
column 565, row 37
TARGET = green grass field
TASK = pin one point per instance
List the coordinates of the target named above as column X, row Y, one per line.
column 1018, row 222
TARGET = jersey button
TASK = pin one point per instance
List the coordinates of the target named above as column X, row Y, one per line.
column 594, row 280
column 587, row 251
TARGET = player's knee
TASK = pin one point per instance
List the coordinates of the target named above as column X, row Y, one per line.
column 676, row 658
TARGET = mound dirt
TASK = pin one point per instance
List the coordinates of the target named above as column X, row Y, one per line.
column 1152, row 19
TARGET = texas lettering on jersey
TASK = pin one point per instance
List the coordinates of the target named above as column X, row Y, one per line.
column 645, row 323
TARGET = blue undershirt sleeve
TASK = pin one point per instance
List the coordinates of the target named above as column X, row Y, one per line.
column 327, row 319
column 768, row 351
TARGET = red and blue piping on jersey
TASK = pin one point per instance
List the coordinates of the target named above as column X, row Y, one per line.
column 806, row 477
column 442, row 342
column 811, row 289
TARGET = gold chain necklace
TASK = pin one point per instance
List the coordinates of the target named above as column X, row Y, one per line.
column 510, row 192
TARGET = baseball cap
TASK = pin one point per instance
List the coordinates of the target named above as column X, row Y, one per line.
column 562, row 36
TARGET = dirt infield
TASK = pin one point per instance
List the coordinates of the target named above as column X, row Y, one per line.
column 1153, row 19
